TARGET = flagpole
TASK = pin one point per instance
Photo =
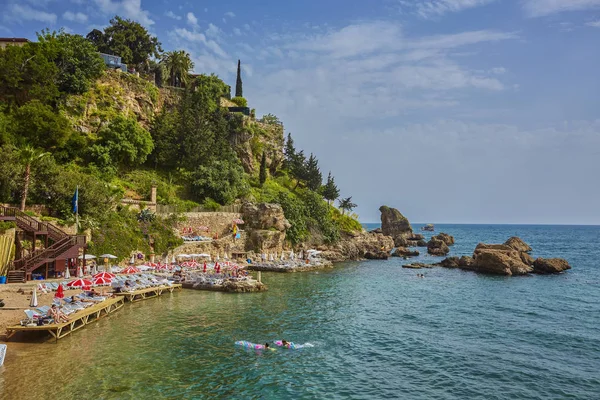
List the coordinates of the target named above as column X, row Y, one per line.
column 77, row 208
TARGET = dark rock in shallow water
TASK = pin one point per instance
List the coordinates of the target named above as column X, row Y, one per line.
column 437, row 247
column 422, row 243
column 517, row 244
column 417, row 266
column 404, row 252
column 444, row 237
column 376, row 255
column 550, row 265
column 393, row 223
column 450, row 262
column 465, row 262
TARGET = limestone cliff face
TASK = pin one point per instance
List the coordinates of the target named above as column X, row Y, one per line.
column 358, row 246
column 250, row 138
column 117, row 93
column 266, row 225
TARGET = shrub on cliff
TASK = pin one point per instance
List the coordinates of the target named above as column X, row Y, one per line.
column 240, row 101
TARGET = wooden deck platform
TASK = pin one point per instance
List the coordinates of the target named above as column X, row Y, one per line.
column 77, row 320
column 148, row 293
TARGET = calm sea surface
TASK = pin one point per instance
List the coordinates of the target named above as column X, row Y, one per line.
column 378, row 332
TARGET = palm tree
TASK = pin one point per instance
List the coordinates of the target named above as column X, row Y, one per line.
column 28, row 156
column 347, row 205
column 178, row 65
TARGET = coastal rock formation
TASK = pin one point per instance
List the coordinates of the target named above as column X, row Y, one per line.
column 376, row 255
column 264, row 216
column 394, row 224
column 437, row 247
column 450, row 262
column 422, row 243
column 517, row 244
column 444, row 237
column 526, row 258
column 265, row 240
column 550, row 265
column 465, row 262
column 356, row 247
column 417, row 265
column 404, row 252
column 500, row 262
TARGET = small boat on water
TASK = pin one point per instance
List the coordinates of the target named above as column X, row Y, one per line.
column 428, row 227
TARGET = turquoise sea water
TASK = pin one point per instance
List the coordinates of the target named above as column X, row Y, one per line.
column 378, row 331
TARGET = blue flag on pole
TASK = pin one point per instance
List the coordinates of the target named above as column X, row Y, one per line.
column 75, row 200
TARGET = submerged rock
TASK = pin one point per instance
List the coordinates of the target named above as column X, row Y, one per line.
column 417, row 266
column 550, row 265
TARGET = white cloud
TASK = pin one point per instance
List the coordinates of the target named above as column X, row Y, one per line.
column 125, row 8
column 75, row 17
column 229, row 14
column 213, row 31
column 435, row 8
column 237, row 32
column 21, row 12
column 189, row 35
column 540, row 8
column 171, row 14
column 191, row 19
column 594, row 24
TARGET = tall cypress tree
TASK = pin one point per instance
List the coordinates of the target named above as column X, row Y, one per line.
column 330, row 190
column 289, row 152
column 262, row 175
column 314, row 179
column 239, row 92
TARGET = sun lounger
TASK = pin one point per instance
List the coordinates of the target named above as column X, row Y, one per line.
column 43, row 310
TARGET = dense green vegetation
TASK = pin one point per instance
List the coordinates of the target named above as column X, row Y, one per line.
column 65, row 122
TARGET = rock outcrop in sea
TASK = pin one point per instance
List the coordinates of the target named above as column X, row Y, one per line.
column 510, row 258
column 438, row 245
column 360, row 245
column 395, row 225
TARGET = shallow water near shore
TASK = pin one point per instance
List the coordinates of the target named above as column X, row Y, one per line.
column 378, row 331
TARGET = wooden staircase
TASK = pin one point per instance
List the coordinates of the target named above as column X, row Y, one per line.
column 58, row 243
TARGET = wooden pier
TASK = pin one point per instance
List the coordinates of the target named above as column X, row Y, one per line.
column 76, row 321
column 148, row 293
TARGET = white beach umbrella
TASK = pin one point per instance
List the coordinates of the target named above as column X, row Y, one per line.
column 292, row 255
column 109, row 256
column 67, row 273
column 34, row 302
column 94, row 270
column 79, row 272
column 132, row 261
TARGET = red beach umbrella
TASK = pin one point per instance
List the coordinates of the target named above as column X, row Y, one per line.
column 204, row 267
column 105, row 275
column 130, row 270
column 80, row 283
column 102, row 281
column 60, row 292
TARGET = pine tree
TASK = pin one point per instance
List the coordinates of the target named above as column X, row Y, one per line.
column 262, row 176
column 298, row 167
column 289, row 152
column 330, row 190
column 239, row 92
column 313, row 178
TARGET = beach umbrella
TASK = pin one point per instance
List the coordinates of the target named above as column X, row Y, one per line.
column 67, row 273
column 105, row 275
column 87, row 257
column 109, row 256
column 144, row 268
column 60, row 293
column 130, row 270
column 94, row 270
column 102, row 281
column 79, row 283
column 79, row 272
column 33, row 302
column 132, row 261
column 173, row 261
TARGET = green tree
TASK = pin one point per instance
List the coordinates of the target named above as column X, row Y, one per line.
column 314, row 179
column 330, row 190
column 129, row 40
column 178, row 65
column 239, row 92
column 289, row 152
column 272, row 119
column 27, row 74
column 346, row 205
column 77, row 60
column 123, row 143
column 28, row 156
column 298, row 168
column 39, row 124
column 262, row 176
column 222, row 180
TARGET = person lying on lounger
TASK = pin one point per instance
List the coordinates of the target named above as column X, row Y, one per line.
column 57, row 315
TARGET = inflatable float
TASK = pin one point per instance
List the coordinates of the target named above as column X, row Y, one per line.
column 292, row 345
column 250, row 345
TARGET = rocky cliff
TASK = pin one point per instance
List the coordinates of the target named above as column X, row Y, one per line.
column 394, row 224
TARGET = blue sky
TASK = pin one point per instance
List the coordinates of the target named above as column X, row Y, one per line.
column 474, row 111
